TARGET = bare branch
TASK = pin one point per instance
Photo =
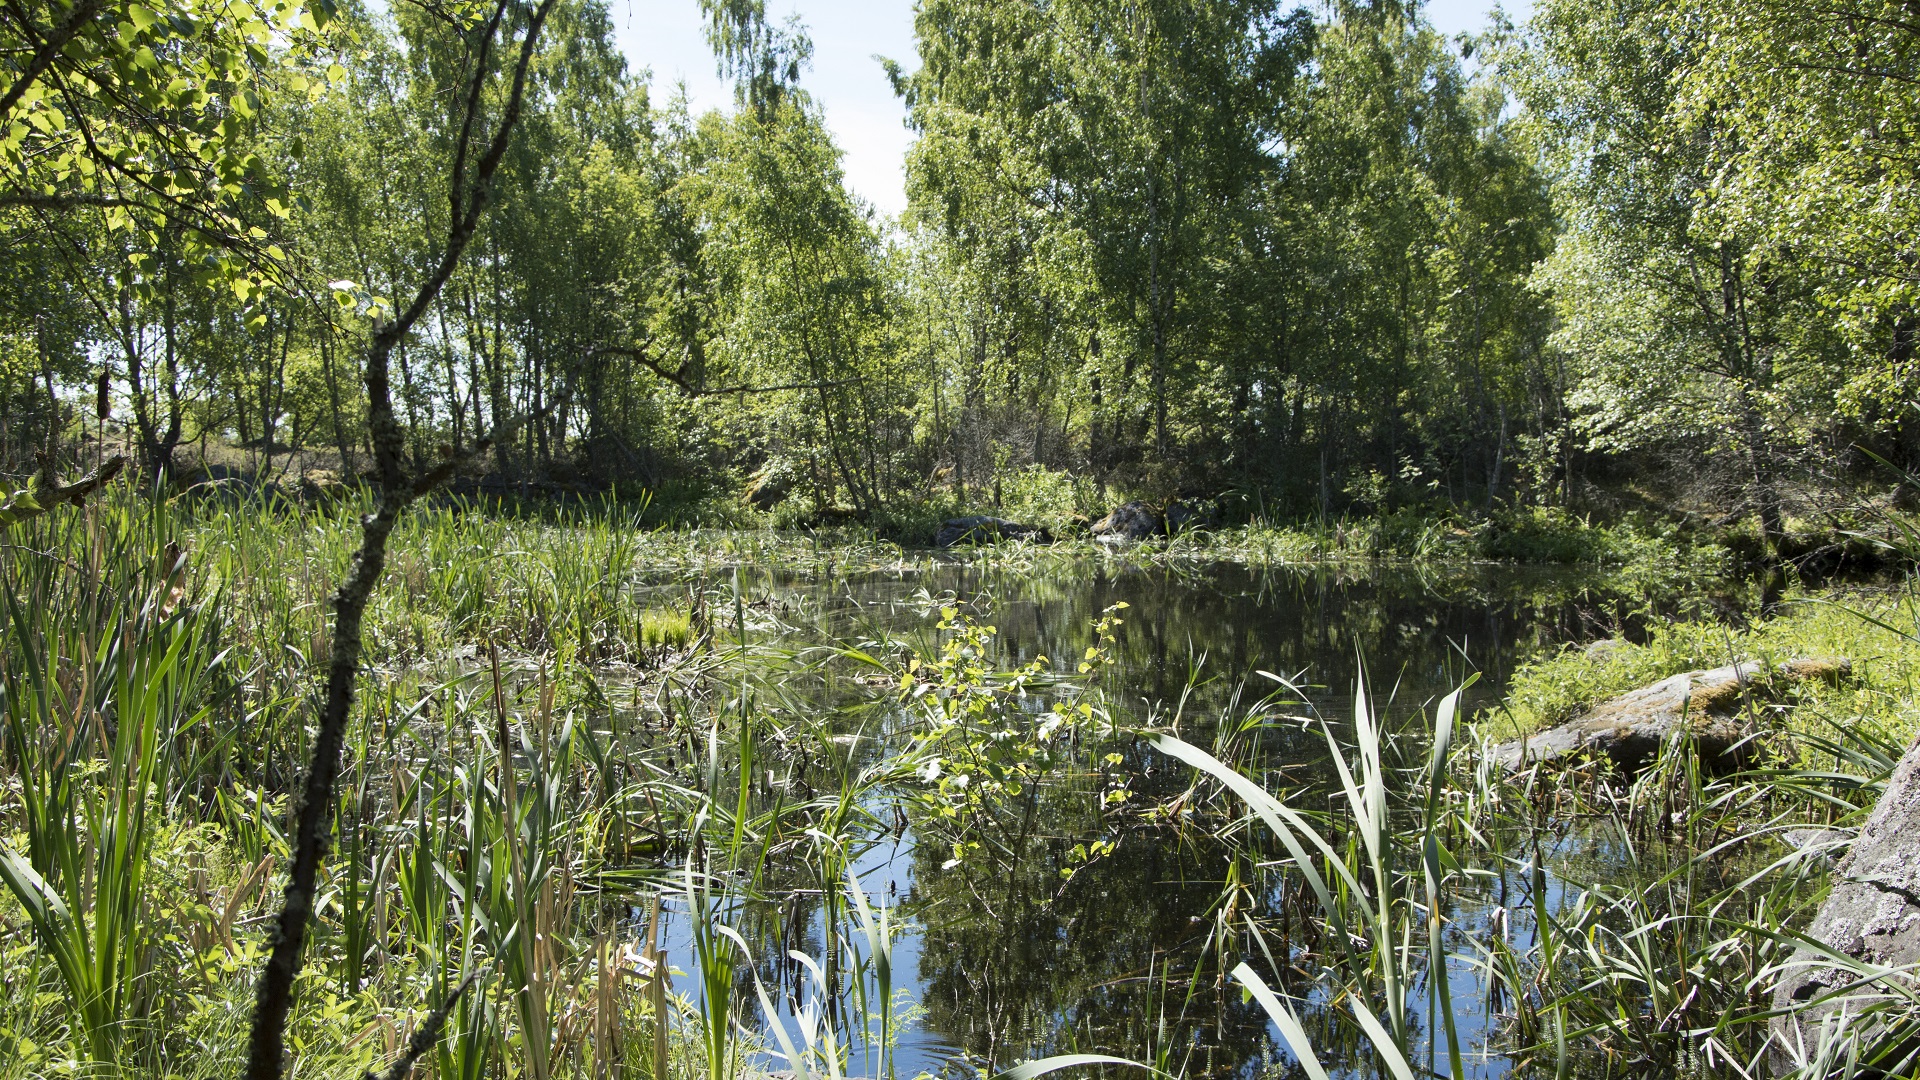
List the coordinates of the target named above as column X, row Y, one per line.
column 455, row 196
column 426, row 1034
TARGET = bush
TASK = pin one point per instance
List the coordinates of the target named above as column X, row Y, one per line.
column 1057, row 501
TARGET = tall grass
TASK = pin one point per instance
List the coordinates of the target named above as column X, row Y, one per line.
column 1643, row 925
column 1376, row 907
column 576, row 719
column 103, row 696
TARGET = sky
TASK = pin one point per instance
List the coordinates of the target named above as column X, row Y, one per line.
column 867, row 121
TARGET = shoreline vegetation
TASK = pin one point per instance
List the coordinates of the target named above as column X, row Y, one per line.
column 660, row 719
column 1857, row 539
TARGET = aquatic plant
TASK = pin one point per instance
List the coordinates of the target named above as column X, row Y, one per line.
column 515, row 796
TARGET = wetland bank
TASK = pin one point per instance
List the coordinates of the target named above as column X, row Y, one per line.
column 881, row 811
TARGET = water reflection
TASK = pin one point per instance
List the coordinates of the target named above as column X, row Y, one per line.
column 1022, row 951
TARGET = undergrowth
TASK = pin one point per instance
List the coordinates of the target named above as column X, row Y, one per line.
column 576, row 727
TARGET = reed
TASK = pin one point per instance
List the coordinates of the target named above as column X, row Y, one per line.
column 102, row 694
column 569, row 717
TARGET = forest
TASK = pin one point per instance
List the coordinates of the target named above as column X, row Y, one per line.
column 1296, row 262
column 1310, row 547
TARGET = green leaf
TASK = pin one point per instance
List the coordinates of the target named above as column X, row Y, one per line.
column 43, row 906
column 1284, row 1018
column 1383, row 1043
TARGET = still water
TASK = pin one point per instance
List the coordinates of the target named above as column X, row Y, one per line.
column 1001, row 961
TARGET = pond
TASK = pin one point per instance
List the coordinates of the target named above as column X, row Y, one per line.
column 1038, row 950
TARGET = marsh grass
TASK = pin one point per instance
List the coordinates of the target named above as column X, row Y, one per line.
column 573, row 719
column 665, row 629
column 155, row 684
column 1616, row 929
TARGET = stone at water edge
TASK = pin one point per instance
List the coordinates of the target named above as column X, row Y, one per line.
column 1872, row 913
column 1130, row 521
column 984, row 528
column 1631, row 728
column 1604, row 650
column 1184, row 517
column 322, row 486
column 769, row 488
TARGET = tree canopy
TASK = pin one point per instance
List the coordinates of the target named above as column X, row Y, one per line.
column 1304, row 261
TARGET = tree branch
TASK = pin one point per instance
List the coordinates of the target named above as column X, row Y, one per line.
column 686, row 387
column 39, row 201
column 48, row 52
column 312, row 838
column 455, row 196
column 49, row 493
column 426, row 1034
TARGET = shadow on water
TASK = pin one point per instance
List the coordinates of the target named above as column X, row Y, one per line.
column 1030, row 948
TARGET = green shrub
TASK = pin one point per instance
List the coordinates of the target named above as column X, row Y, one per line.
column 1057, row 501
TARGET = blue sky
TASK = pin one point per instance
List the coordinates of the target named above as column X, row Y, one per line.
column 865, row 117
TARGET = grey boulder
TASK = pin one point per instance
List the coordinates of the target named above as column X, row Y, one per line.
column 1130, row 522
column 1630, row 729
column 983, row 529
column 1871, row 916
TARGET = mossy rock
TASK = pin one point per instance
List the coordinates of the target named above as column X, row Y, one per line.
column 1710, row 705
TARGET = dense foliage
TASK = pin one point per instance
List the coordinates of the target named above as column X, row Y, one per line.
column 1320, row 260
column 1432, row 298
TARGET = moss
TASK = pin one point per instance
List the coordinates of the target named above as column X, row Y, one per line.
column 1724, row 696
column 1834, row 658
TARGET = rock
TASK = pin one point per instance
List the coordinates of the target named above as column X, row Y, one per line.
column 1829, row 841
column 322, row 486
column 1872, row 914
column 984, row 529
column 1130, row 522
column 1605, row 649
column 1631, row 728
column 217, row 475
column 565, row 474
column 769, row 488
column 1180, row 517
column 491, row 485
